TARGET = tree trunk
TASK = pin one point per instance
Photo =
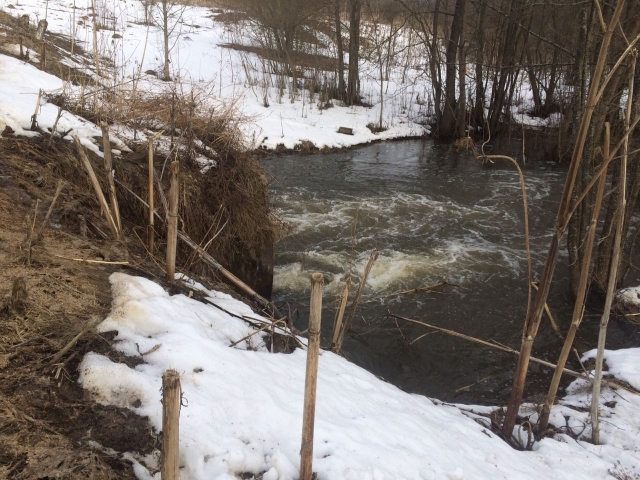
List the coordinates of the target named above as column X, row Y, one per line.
column 434, row 68
column 478, row 111
column 551, row 88
column 505, row 62
column 166, row 76
column 355, row 7
column 449, row 121
column 462, row 95
column 535, row 89
column 341, row 87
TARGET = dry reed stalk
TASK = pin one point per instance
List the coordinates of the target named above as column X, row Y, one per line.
column 311, row 378
column 108, row 167
column 96, row 186
column 337, row 326
column 266, row 326
column 352, row 311
column 506, row 349
column 424, row 288
column 100, row 262
column 171, row 402
column 613, row 269
column 268, row 306
column 583, row 283
column 150, row 232
column 55, row 126
column 38, row 236
column 172, row 225
column 58, row 356
column 526, row 218
column 534, row 316
column 34, row 117
column 552, row 320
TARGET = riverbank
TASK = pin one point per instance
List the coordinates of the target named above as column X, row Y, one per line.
column 242, row 410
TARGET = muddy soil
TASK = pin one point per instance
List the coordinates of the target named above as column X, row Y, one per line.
column 49, row 427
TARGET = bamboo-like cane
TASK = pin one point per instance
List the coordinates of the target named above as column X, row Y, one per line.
column 578, row 308
column 311, row 379
column 352, row 311
column 172, row 224
column 150, row 232
column 534, row 315
column 171, row 400
column 96, row 186
column 340, row 314
column 613, row 269
column 108, row 168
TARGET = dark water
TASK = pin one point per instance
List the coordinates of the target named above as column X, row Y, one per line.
column 434, row 215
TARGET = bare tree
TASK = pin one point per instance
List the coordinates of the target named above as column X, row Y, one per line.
column 353, row 90
column 168, row 17
column 342, row 92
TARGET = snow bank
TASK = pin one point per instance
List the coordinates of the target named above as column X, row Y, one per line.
column 627, row 300
column 20, row 83
column 243, row 408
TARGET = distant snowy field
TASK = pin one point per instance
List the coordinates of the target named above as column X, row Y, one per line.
column 243, row 410
column 229, row 76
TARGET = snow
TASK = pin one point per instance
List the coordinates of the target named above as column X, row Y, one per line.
column 19, row 93
column 628, row 300
column 243, row 405
column 623, row 364
column 229, row 76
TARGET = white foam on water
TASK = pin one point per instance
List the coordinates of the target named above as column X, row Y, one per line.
column 455, row 261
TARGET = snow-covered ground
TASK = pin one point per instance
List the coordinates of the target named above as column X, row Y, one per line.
column 229, row 76
column 243, row 406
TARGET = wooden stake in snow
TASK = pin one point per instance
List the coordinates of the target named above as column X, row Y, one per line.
column 172, row 225
column 311, row 379
column 108, row 168
column 150, row 235
column 171, row 399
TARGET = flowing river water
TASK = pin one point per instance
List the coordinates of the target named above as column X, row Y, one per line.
column 434, row 215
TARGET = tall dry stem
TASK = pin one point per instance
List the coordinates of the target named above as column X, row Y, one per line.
column 613, row 269
column 534, row 316
column 578, row 308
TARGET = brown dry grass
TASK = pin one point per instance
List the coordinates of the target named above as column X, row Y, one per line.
column 46, row 424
